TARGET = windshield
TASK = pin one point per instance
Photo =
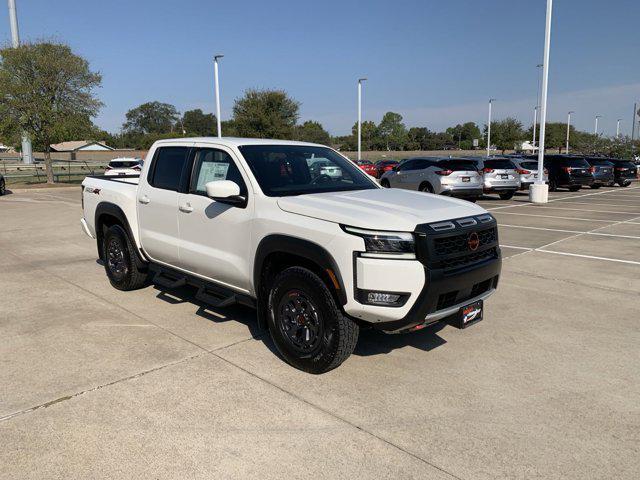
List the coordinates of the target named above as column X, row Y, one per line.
column 283, row 170
column 500, row 164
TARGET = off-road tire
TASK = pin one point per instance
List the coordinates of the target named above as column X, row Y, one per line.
column 338, row 334
column 506, row 195
column 120, row 262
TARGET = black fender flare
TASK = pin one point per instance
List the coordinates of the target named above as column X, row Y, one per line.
column 311, row 251
column 113, row 210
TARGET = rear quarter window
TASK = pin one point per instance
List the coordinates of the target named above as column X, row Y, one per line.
column 167, row 168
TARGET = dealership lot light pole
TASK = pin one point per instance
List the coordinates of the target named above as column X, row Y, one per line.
column 535, row 110
column 618, row 128
column 595, row 130
column 491, row 100
column 566, row 149
column 539, row 191
column 217, row 87
column 360, row 80
column 27, row 154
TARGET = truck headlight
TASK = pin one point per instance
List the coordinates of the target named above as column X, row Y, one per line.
column 385, row 244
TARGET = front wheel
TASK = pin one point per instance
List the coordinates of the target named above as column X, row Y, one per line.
column 306, row 325
column 507, row 195
column 385, row 183
column 3, row 187
column 574, row 188
column 595, row 186
column 120, row 261
column 552, row 186
column 625, row 183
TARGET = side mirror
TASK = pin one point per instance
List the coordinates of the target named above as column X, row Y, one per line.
column 225, row 191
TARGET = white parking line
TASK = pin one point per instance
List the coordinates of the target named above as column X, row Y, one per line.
column 582, row 210
column 571, row 231
column 601, row 204
column 588, row 256
column 561, row 218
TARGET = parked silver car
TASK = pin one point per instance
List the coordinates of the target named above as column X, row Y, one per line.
column 499, row 175
column 528, row 170
column 445, row 176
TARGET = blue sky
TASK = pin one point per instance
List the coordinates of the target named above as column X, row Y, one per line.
column 435, row 62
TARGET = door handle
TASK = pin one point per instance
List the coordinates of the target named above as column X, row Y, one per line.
column 144, row 200
column 186, row 208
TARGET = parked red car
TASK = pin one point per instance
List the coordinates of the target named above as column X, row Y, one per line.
column 384, row 166
column 368, row 167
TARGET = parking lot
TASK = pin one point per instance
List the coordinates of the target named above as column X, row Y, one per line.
column 98, row 383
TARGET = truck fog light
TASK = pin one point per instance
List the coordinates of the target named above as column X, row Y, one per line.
column 383, row 299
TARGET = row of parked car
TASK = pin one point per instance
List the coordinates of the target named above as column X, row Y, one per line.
column 471, row 177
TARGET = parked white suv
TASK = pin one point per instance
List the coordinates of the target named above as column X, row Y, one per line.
column 319, row 255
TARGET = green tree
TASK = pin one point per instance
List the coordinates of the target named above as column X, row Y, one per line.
column 196, row 122
column 265, row 114
column 44, row 89
column 151, row 117
column 392, row 131
column 371, row 139
column 418, row 138
column 505, row 134
column 555, row 135
column 464, row 134
column 313, row 132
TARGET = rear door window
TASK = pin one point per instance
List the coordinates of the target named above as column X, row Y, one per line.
column 168, row 167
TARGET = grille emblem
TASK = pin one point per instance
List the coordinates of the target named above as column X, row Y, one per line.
column 473, row 241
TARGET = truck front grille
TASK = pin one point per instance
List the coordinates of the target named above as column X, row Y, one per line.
column 467, row 242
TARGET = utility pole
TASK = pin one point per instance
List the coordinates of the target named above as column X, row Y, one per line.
column 566, row 150
column 27, row 153
column 360, row 80
column 217, row 87
column 491, row 100
column 539, row 191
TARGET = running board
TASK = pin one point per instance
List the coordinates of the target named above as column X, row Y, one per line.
column 168, row 282
column 215, row 299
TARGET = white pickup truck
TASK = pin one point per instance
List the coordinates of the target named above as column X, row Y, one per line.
column 319, row 255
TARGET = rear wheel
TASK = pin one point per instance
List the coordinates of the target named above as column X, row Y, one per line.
column 3, row 187
column 596, row 186
column 120, row 261
column 574, row 188
column 552, row 186
column 426, row 187
column 385, row 183
column 624, row 183
column 507, row 195
column 306, row 325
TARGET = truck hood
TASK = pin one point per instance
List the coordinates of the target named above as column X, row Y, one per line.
column 379, row 209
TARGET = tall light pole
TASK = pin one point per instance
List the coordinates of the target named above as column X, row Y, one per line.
column 535, row 121
column 217, row 86
column 539, row 191
column 633, row 127
column 618, row 128
column 535, row 110
column 491, row 100
column 566, row 150
column 27, row 154
column 360, row 80
column 595, row 130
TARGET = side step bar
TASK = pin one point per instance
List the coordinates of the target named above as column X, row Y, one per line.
column 208, row 292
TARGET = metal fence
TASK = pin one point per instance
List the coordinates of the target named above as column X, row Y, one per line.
column 63, row 171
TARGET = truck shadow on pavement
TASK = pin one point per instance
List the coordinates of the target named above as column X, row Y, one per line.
column 371, row 342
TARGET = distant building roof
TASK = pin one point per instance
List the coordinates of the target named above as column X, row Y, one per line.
column 75, row 145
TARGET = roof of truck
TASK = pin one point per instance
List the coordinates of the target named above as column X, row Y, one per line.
column 235, row 142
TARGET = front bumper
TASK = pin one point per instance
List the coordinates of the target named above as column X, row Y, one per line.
column 444, row 294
